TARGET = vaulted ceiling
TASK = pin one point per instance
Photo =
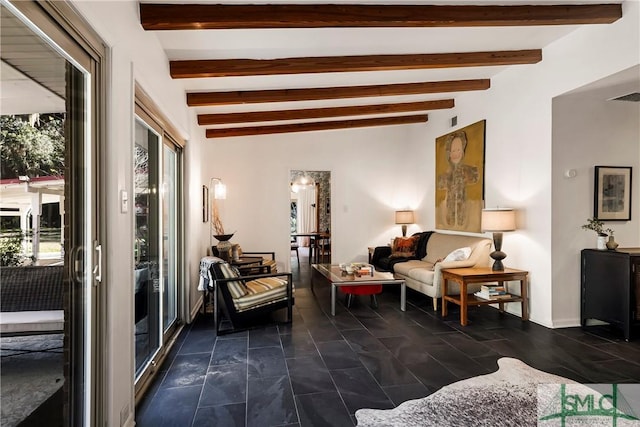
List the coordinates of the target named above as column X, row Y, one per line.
column 252, row 69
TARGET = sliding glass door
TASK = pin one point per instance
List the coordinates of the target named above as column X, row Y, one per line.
column 147, row 295
column 170, row 244
column 50, row 128
column 157, row 248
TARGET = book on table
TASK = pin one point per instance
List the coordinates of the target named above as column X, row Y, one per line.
column 493, row 288
column 492, row 296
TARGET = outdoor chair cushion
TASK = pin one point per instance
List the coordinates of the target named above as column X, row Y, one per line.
column 254, row 293
column 262, row 291
column 236, row 288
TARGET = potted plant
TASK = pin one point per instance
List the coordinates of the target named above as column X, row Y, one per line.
column 594, row 224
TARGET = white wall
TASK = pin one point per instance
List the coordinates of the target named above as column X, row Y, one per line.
column 372, row 174
column 588, row 130
column 518, row 158
column 377, row 170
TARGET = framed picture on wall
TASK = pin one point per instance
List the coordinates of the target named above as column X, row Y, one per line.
column 460, row 178
column 612, row 200
column 205, row 203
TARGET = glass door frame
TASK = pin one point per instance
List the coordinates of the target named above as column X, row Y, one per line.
column 146, row 111
column 85, row 399
column 168, row 143
column 154, row 220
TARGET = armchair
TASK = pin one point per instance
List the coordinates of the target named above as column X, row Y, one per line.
column 268, row 263
column 245, row 298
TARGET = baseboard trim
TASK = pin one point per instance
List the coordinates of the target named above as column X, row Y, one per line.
column 196, row 309
column 565, row 323
column 518, row 313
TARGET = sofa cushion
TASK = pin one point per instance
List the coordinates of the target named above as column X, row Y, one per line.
column 264, row 284
column 417, row 270
column 272, row 264
column 459, row 254
column 237, row 289
column 440, row 245
column 421, row 246
column 404, row 247
column 262, row 291
column 424, row 275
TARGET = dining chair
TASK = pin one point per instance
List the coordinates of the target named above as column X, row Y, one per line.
column 294, row 247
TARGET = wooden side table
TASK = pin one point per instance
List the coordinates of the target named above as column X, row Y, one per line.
column 466, row 276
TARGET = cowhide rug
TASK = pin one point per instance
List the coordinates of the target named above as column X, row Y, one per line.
column 507, row 397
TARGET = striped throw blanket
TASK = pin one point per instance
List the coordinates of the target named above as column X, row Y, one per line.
column 205, row 271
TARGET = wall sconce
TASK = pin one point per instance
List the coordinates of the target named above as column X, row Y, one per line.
column 219, row 189
column 497, row 221
column 404, row 218
column 219, row 193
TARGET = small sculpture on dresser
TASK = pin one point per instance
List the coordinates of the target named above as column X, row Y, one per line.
column 611, row 243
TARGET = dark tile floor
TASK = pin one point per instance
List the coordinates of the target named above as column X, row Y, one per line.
column 320, row 369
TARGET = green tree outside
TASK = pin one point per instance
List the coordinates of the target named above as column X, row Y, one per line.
column 31, row 145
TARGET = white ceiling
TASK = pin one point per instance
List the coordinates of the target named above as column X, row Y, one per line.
column 32, row 73
column 310, row 42
column 22, row 95
column 19, row 94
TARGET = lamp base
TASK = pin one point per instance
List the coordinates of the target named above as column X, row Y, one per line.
column 404, row 230
column 498, row 256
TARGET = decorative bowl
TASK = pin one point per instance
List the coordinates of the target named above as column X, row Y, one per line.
column 223, row 237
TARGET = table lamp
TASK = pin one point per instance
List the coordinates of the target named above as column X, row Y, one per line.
column 404, row 218
column 498, row 221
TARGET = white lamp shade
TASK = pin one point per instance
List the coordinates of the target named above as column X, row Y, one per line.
column 404, row 217
column 219, row 191
column 498, row 220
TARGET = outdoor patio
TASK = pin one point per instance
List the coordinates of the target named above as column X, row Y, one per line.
column 31, row 372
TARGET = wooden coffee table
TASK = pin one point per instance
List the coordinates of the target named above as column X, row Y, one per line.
column 339, row 278
column 465, row 276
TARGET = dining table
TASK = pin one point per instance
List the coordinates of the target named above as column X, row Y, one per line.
column 317, row 248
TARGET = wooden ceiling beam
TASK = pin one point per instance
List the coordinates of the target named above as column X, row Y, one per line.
column 245, row 16
column 306, row 127
column 337, row 64
column 201, row 99
column 317, row 113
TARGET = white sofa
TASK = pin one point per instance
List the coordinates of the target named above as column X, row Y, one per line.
column 424, row 275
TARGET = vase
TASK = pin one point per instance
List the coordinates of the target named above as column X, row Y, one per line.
column 602, row 243
column 224, row 246
column 611, row 244
column 235, row 252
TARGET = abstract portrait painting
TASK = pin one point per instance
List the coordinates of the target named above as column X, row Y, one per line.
column 460, row 178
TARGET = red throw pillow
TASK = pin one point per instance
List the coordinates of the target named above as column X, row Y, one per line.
column 404, row 247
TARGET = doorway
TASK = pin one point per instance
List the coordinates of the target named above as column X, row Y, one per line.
column 310, row 213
